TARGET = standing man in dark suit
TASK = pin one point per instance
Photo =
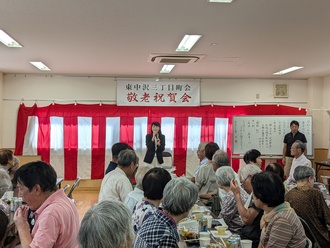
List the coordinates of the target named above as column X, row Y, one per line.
column 155, row 142
column 289, row 139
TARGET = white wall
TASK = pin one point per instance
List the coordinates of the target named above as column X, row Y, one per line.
column 62, row 89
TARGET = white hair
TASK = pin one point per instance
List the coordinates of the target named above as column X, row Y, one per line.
column 108, row 223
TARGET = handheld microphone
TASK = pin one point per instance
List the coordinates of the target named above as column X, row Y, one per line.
column 157, row 136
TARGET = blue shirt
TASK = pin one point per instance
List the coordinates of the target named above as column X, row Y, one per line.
column 159, row 230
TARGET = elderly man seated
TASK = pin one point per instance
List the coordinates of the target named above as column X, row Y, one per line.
column 57, row 220
column 229, row 211
column 160, row 229
column 116, row 184
column 205, row 178
column 106, row 224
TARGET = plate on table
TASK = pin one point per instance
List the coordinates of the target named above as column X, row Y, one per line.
column 215, row 234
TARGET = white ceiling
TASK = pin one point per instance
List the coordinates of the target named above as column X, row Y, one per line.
column 254, row 38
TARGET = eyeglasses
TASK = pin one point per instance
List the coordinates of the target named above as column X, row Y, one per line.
column 243, row 181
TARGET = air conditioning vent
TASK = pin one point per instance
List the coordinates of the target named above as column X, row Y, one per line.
column 174, row 59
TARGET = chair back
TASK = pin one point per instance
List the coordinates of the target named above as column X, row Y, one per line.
column 75, row 184
column 168, row 161
column 326, row 181
column 309, row 233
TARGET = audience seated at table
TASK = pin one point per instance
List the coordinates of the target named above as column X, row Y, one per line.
column 280, row 224
column 57, row 219
column 219, row 159
column 202, row 159
column 250, row 214
column 117, row 184
column 106, row 224
column 137, row 194
column 160, row 229
column 229, row 211
column 8, row 161
column 154, row 183
column 5, row 182
column 115, row 150
column 309, row 204
column 253, row 157
column 277, row 169
column 205, row 178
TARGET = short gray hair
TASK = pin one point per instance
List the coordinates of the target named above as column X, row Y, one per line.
column 140, row 173
column 303, row 172
column 108, row 223
column 300, row 145
column 180, row 195
column 126, row 157
column 224, row 175
column 249, row 169
column 202, row 145
column 220, row 157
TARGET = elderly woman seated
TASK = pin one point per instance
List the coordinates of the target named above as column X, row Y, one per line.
column 309, row 204
column 229, row 211
column 106, row 224
column 280, row 224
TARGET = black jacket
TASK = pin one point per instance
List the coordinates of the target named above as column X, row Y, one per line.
column 151, row 149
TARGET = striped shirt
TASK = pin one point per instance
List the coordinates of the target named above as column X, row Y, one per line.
column 284, row 230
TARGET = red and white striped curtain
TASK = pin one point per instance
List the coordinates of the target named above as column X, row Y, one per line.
column 76, row 138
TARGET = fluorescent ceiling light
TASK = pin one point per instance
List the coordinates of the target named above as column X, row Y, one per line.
column 7, row 40
column 293, row 68
column 167, row 68
column 41, row 66
column 220, row 1
column 187, row 43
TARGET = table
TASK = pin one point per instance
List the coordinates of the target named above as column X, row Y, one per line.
column 318, row 166
column 58, row 181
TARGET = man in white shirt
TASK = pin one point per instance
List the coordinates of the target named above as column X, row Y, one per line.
column 297, row 151
column 116, row 184
column 202, row 158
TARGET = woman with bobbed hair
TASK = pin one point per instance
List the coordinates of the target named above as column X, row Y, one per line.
column 309, row 204
column 280, row 224
column 106, row 224
column 252, row 157
column 155, row 142
column 276, row 168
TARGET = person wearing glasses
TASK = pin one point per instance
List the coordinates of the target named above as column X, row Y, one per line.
column 297, row 151
column 309, row 204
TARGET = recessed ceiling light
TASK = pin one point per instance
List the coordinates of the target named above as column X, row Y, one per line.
column 188, row 42
column 285, row 71
column 7, row 40
column 41, row 66
column 167, row 68
column 220, row 1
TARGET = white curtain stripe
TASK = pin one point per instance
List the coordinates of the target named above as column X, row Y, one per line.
column 84, row 147
column 57, row 145
column 31, row 137
column 194, row 139
column 112, row 136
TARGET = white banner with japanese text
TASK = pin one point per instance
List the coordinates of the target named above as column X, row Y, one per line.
column 164, row 92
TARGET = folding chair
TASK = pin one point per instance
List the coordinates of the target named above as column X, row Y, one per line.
column 309, row 233
column 75, row 184
column 168, row 161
